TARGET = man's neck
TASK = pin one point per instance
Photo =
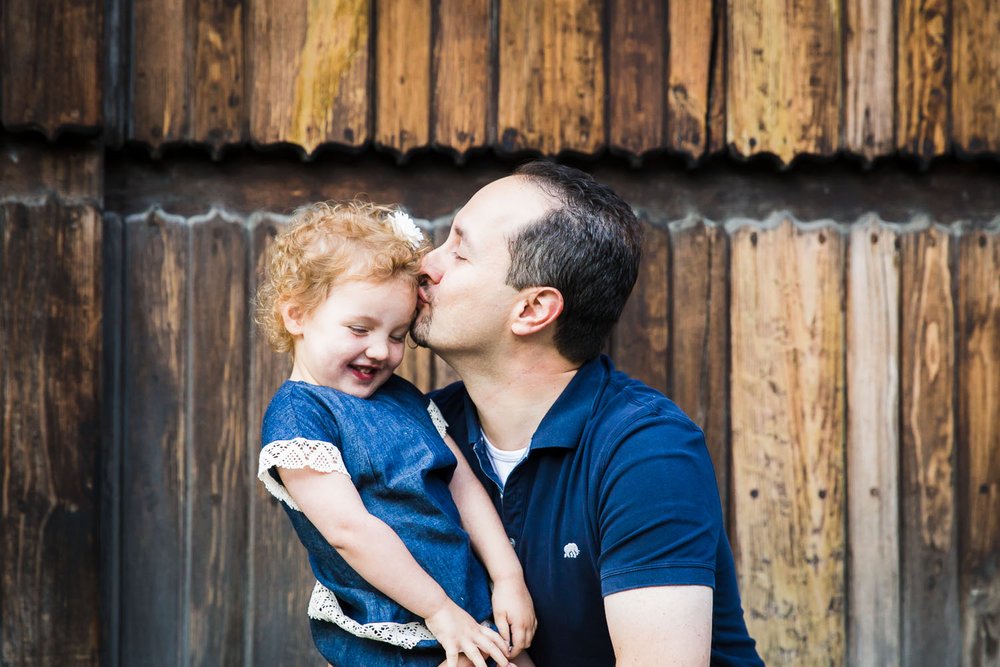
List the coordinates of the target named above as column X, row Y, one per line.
column 513, row 395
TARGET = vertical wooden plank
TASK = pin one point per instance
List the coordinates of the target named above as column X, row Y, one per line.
column 690, row 59
column 50, row 388
column 160, row 104
column 636, row 72
column 218, row 472
column 155, row 530
column 217, row 84
column 788, row 435
column 869, row 70
column 699, row 305
column 718, row 85
column 641, row 341
column 922, row 90
column 784, row 77
column 463, row 74
column 551, row 88
column 979, row 426
column 308, row 72
column 52, row 64
column 975, row 76
column 402, row 74
column 873, row 445
column 280, row 578
column 928, row 535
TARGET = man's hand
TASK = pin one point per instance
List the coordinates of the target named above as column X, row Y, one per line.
column 514, row 613
column 459, row 634
column 661, row 625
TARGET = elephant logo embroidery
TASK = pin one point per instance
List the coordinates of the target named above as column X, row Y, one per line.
column 571, row 550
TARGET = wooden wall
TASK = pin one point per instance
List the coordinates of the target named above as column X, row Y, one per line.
column 836, row 331
column 693, row 77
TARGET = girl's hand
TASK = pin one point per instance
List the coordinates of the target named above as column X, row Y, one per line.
column 514, row 613
column 459, row 634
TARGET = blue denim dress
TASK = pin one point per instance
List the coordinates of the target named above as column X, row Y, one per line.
column 393, row 452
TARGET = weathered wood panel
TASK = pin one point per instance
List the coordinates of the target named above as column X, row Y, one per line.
column 403, row 74
column 869, row 66
column 50, row 389
column 929, row 581
column 718, row 85
column 463, row 74
column 975, row 76
column 32, row 170
column 979, row 426
column 52, row 64
column 641, row 341
column 873, row 445
column 219, row 482
column 784, row 77
column 788, row 434
column 689, row 68
column 187, row 72
column 699, row 306
column 922, row 43
column 155, row 586
column 280, row 577
column 637, row 69
column 308, row 72
column 551, row 90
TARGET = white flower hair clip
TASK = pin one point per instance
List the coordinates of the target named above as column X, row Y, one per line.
column 406, row 229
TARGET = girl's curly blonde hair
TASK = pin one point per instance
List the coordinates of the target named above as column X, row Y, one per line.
column 324, row 244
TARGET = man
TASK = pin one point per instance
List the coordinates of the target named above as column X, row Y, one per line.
column 604, row 486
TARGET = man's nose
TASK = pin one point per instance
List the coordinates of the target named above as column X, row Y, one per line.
column 431, row 265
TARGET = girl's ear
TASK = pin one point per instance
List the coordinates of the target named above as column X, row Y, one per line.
column 291, row 315
column 537, row 309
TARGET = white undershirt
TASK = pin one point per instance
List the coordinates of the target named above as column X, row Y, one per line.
column 504, row 461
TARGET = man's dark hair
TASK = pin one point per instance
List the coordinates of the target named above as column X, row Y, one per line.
column 588, row 247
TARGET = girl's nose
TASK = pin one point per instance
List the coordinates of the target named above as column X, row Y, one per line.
column 377, row 351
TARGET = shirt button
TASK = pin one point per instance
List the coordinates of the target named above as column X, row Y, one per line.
column 512, row 542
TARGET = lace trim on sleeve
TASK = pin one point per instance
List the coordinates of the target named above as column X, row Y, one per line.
column 295, row 454
column 439, row 422
column 323, row 606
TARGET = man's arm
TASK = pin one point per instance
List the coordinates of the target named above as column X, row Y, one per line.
column 663, row 625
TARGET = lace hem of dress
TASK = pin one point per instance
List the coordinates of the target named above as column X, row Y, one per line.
column 323, row 606
column 294, row 454
column 439, row 422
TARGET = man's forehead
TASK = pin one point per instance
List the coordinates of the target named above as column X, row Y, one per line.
column 510, row 202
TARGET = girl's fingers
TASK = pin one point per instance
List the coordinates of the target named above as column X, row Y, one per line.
column 495, row 646
column 504, row 627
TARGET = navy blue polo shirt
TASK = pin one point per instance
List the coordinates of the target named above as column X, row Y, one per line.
column 617, row 492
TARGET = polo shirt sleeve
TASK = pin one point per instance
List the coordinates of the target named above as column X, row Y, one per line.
column 659, row 515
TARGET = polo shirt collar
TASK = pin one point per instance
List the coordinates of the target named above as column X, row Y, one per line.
column 565, row 421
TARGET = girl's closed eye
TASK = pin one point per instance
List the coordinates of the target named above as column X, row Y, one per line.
column 398, row 338
column 357, row 329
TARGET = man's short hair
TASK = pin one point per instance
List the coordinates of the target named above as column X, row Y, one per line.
column 588, row 247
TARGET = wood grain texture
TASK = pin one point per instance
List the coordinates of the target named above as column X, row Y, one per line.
column 308, row 72
column 155, row 467
column 869, row 72
column 873, row 445
column 787, row 440
column 699, row 307
column 217, row 73
column 975, row 76
column 718, row 84
column 160, row 105
column 928, row 534
column 784, row 77
column 280, row 577
column 220, row 481
column 52, row 64
column 979, row 426
column 403, row 74
column 33, row 171
column 637, row 69
column 463, row 74
column 50, row 401
column 922, row 86
column 689, row 68
column 641, row 341
column 551, row 78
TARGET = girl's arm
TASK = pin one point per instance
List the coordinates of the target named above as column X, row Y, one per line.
column 513, row 611
column 373, row 550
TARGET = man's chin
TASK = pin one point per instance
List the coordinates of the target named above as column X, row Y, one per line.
column 420, row 330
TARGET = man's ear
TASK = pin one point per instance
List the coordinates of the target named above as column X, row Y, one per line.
column 538, row 308
column 291, row 315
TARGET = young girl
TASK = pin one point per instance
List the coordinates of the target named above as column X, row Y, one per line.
column 376, row 491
